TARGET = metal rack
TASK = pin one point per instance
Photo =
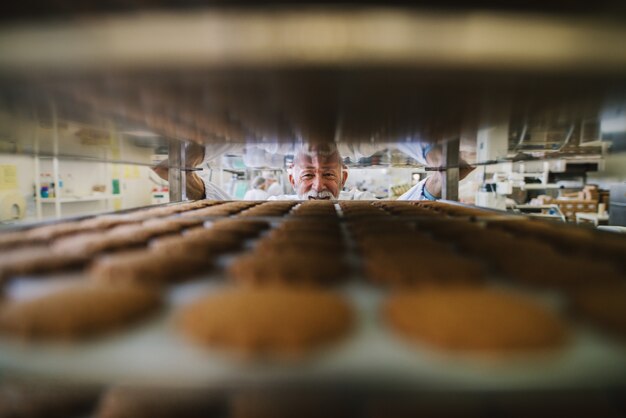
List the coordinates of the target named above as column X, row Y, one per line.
column 341, row 74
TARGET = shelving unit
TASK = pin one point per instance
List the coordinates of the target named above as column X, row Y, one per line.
column 79, row 199
column 59, row 201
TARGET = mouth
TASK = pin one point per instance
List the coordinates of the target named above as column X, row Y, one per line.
column 318, row 198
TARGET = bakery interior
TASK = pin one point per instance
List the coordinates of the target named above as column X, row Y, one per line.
column 144, row 272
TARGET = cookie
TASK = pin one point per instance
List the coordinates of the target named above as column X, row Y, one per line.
column 220, row 241
column 160, row 402
column 77, row 312
column 468, row 319
column 556, row 271
column 177, row 222
column 54, row 399
column 143, row 232
column 603, row 306
column 225, row 209
column 197, row 246
column 301, row 403
column 318, row 228
column 423, row 268
column 244, row 228
column 54, row 231
column 13, row 240
column 277, row 208
column 148, row 268
column 287, row 269
column 36, row 260
column 92, row 243
column 267, row 321
column 301, row 244
column 107, row 221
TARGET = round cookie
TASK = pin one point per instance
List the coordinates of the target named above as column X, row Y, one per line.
column 222, row 241
column 36, row 260
column 142, row 231
column 160, row 402
column 435, row 269
column 287, row 269
column 603, row 306
column 181, row 223
column 299, row 244
column 267, row 321
column 12, row 240
column 91, row 243
column 77, row 312
column 36, row 398
column 148, row 267
column 195, row 245
column 468, row 319
column 50, row 232
column 243, row 228
column 107, row 221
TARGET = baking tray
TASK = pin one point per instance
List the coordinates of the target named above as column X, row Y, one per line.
column 154, row 351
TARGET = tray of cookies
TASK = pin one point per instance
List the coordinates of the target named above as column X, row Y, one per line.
column 397, row 294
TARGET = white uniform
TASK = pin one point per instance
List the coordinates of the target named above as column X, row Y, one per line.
column 275, row 189
column 417, row 192
column 256, row 194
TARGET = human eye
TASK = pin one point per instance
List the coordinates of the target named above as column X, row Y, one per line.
column 307, row 176
column 329, row 175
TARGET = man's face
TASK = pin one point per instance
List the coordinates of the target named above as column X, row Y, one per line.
column 318, row 177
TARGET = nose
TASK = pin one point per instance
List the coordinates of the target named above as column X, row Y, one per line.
column 318, row 184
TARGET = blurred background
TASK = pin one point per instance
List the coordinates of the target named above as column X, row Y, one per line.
column 93, row 95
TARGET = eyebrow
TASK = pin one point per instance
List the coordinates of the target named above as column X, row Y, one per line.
column 327, row 167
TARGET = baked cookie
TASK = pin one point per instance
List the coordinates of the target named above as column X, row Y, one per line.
column 160, row 402
column 194, row 245
column 468, row 319
column 603, row 306
column 267, row 321
column 301, row 244
column 107, row 221
column 91, row 243
column 221, row 241
column 278, row 208
column 556, row 271
column 36, row 260
column 54, row 399
column 243, row 228
column 423, row 268
column 295, row 402
column 77, row 312
column 54, row 231
column 149, row 268
column 319, row 227
column 224, row 209
column 177, row 222
column 287, row 269
column 13, row 240
column 143, row 232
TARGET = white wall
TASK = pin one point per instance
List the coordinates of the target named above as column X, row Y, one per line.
column 79, row 177
column 25, row 168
